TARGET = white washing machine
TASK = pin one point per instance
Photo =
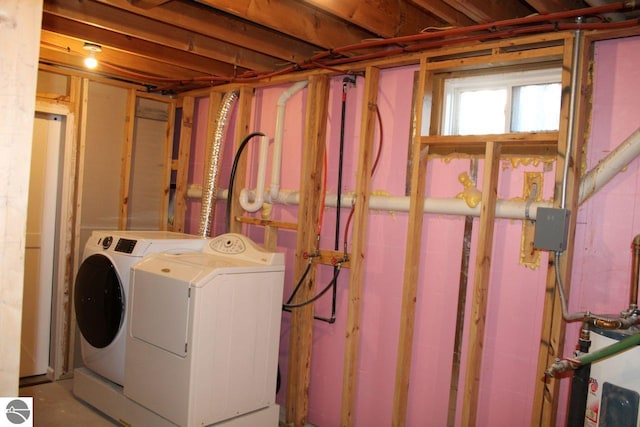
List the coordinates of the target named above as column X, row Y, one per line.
column 203, row 335
column 613, row 399
column 102, row 286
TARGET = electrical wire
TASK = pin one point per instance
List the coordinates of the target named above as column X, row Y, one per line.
column 442, row 37
column 232, row 176
column 338, row 265
column 602, row 321
column 336, row 273
column 373, row 170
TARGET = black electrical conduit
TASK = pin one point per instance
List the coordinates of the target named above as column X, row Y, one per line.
column 232, row 176
column 337, row 267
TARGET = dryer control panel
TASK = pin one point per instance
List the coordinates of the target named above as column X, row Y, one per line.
column 228, row 244
column 239, row 247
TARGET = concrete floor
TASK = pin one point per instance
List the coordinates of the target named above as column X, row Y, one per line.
column 55, row 406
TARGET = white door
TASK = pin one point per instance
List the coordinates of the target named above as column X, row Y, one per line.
column 39, row 250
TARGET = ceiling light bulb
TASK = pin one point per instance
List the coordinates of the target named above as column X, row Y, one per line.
column 90, row 62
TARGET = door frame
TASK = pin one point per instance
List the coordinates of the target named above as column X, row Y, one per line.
column 61, row 345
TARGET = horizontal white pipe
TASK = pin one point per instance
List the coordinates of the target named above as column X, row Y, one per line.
column 276, row 162
column 256, row 204
column 592, row 182
column 610, row 166
column 445, row 206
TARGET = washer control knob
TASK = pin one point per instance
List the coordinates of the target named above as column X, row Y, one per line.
column 106, row 242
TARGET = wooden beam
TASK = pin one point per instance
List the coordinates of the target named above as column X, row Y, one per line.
column 481, row 285
column 297, row 405
column 67, row 51
column 110, row 22
column 218, row 25
column 147, row 4
column 386, row 18
column 445, row 12
column 412, row 257
column 550, row 6
column 267, row 222
column 545, row 404
column 127, row 153
column 296, row 19
column 243, row 121
column 182, row 170
column 358, row 245
column 166, row 167
column 524, row 143
column 484, row 11
column 497, row 57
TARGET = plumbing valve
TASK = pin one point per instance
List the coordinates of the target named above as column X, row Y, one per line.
column 560, row 366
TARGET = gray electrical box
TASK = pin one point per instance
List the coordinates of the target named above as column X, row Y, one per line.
column 552, row 228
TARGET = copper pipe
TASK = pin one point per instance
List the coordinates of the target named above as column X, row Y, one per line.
column 495, row 30
column 635, row 271
column 607, row 323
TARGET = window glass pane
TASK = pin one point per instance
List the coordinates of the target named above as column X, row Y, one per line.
column 481, row 112
column 535, row 108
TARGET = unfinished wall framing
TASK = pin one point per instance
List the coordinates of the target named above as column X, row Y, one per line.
column 524, row 52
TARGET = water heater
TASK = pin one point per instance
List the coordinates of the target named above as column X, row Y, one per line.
column 614, row 387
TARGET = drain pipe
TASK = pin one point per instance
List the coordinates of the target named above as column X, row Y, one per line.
column 276, row 165
column 258, row 201
column 591, row 183
column 609, row 167
column 210, row 190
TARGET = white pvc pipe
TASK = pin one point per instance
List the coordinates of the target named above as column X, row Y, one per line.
column 444, row 206
column 591, row 183
column 609, row 166
column 276, row 165
column 257, row 202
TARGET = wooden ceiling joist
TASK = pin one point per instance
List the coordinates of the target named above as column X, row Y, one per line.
column 215, row 24
column 108, row 23
column 239, row 39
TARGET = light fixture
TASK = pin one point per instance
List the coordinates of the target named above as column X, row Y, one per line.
column 90, row 61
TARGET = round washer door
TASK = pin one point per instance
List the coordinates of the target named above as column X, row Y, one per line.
column 99, row 301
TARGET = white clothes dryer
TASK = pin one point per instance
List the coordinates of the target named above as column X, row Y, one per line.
column 102, row 287
column 204, row 332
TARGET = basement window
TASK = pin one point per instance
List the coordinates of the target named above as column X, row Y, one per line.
column 522, row 101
